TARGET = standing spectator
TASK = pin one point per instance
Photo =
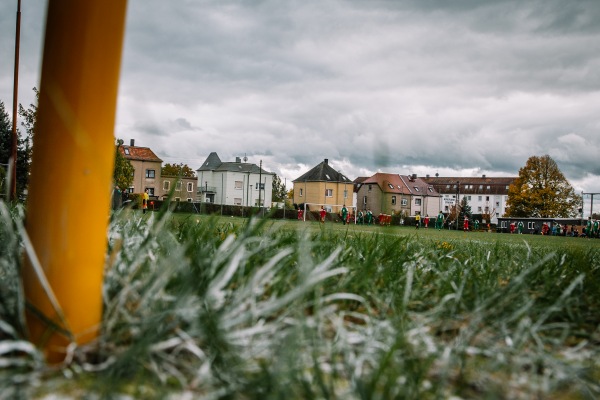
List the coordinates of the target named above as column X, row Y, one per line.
column 595, row 228
column 588, row 227
column 520, row 227
column 344, row 214
column 369, row 217
column 476, row 225
column 117, row 198
column 439, row 221
column 361, row 217
column 417, row 221
column 322, row 215
column 426, row 221
column 466, row 224
column 145, row 198
column 512, row 227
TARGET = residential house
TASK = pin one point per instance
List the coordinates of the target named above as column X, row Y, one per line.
column 408, row 195
column 323, row 186
column 184, row 188
column 485, row 195
column 234, row 183
column 146, row 168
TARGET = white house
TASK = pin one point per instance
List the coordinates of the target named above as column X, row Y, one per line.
column 485, row 195
column 234, row 183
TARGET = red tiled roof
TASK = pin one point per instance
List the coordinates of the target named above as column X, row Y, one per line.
column 138, row 153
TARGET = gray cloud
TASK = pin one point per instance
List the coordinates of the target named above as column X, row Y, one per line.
column 461, row 87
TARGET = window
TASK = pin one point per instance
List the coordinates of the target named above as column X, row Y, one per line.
column 506, row 187
column 488, row 187
column 189, row 200
column 479, row 198
column 393, row 200
column 237, row 201
column 150, row 173
column 417, row 202
column 480, row 186
column 416, row 188
column 239, row 184
column 531, row 225
column 430, row 188
column 479, row 208
column 497, row 204
column 177, row 198
column 178, row 186
column 328, row 192
column 126, row 151
column 345, row 194
column 447, row 186
column 166, row 185
column 487, row 209
column 301, row 192
column 150, row 191
column 469, row 198
column 497, row 215
column 328, row 177
column 133, row 172
column 404, row 202
column 390, row 185
column 130, row 189
column 190, row 187
column 446, row 208
column 502, row 224
column 370, row 187
column 487, row 198
column 262, row 186
column 365, row 200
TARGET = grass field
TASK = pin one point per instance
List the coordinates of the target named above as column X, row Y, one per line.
column 220, row 307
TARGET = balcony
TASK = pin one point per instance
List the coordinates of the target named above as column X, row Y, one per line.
column 207, row 189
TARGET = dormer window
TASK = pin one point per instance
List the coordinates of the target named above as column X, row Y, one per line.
column 328, row 177
column 390, row 185
column 430, row 189
column 126, row 151
column 416, row 189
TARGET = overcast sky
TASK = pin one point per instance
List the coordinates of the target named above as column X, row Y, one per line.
column 425, row 86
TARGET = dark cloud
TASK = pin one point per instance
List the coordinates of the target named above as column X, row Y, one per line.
column 459, row 87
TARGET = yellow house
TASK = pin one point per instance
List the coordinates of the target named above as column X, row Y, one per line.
column 323, row 186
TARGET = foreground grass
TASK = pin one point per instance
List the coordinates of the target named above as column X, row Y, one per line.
column 228, row 308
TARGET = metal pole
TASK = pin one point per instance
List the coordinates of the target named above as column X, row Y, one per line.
column 75, row 122
column 14, row 137
column 457, row 201
column 259, row 182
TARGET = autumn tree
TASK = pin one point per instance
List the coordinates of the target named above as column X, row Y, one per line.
column 542, row 191
column 279, row 192
column 123, row 170
column 182, row 170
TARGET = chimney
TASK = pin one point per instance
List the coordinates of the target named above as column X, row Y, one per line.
column 414, row 176
column 132, row 142
column 326, row 161
column 427, row 176
column 238, row 160
column 483, row 176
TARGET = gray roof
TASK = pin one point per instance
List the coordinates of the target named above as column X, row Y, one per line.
column 214, row 163
column 323, row 173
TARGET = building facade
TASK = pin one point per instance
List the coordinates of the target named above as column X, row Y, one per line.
column 325, row 186
column 146, row 166
column 406, row 195
column 234, row 183
column 485, row 195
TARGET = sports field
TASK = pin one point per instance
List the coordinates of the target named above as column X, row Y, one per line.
column 221, row 307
